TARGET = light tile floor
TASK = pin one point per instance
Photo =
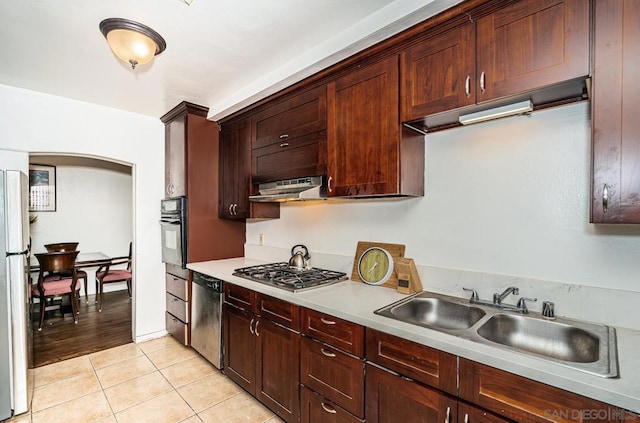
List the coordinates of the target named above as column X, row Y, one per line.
column 159, row 381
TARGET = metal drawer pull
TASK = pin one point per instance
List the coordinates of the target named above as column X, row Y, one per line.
column 327, row 322
column 466, row 418
column 255, row 328
column 284, row 144
column 251, row 327
column 482, row 76
column 327, row 353
column 284, row 136
column 467, row 86
column 605, row 198
column 230, row 206
column 447, row 419
column 328, row 408
column 329, row 184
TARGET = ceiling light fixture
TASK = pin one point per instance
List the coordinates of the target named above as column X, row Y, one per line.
column 521, row 108
column 131, row 41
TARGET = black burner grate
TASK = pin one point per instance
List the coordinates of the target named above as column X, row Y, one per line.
column 281, row 276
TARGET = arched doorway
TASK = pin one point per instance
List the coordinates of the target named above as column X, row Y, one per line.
column 93, row 206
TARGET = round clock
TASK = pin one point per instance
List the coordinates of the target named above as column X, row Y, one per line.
column 375, row 266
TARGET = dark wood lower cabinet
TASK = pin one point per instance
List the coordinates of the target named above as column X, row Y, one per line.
column 277, row 369
column 239, row 347
column 393, row 399
column 528, row 401
column 262, row 357
column 316, row 409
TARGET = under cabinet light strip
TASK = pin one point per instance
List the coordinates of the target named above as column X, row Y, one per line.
column 498, row 112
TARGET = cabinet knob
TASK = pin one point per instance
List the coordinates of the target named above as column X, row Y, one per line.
column 467, row 86
column 482, row 78
column 284, row 144
column 605, row 198
column 284, row 136
column 251, row 327
column 329, row 183
column 255, row 328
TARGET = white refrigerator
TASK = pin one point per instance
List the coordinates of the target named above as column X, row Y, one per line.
column 15, row 320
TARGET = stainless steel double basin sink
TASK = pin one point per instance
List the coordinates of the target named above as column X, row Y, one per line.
column 584, row 346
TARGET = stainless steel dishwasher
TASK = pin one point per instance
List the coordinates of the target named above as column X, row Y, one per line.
column 206, row 323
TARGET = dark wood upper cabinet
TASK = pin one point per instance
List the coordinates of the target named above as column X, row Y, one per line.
column 191, row 170
column 615, row 123
column 235, row 148
column 532, row 44
column 530, row 49
column 367, row 153
column 235, row 174
column 439, row 73
column 290, row 138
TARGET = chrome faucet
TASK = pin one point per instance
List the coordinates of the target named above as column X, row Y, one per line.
column 521, row 307
column 497, row 298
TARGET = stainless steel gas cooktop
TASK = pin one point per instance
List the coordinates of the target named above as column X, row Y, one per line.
column 282, row 276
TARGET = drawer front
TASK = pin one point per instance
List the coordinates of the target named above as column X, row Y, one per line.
column 297, row 116
column 315, row 409
column 177, row 329
column 239, row 296
column 303, row 156
column 177, row 287
column 279, row 311
column 337, row 332
column 178, row 307
column 427, row 365
column 525, row 400
column 333, row 374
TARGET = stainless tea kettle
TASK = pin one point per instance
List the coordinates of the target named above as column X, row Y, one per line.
column 298, row 260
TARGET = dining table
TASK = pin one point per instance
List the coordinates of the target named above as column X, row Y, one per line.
column 89, row 259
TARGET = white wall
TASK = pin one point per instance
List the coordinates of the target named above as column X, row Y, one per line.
column 35, row 122
column 94, row 206
column 507, row 197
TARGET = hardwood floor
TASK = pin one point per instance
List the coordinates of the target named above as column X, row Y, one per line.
column 61, row 339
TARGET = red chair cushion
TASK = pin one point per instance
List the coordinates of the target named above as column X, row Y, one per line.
column 56, row 287
column 114, row 275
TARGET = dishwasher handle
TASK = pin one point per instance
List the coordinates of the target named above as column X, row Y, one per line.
column 207, row 282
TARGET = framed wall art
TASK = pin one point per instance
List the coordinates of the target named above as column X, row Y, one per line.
column 42, row 188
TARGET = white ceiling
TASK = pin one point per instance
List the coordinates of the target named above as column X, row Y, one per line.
column 222, row 55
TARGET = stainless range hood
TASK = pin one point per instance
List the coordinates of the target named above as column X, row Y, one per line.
column 297, row 189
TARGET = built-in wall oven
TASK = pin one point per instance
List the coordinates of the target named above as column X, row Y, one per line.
column 173, row 223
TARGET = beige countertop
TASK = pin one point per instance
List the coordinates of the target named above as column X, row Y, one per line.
column 355, row 302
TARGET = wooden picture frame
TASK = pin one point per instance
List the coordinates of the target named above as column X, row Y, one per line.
column 42, row 188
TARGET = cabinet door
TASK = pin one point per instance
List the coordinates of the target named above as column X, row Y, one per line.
column 393, row 399
column 175, row 157
column 240, row 347
column 616, row 101
column 277, row 383
column 532, row 44
column 363, row 131
column 439, row 73
column 235, row 156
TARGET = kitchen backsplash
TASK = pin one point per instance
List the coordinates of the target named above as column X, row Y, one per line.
column 601, row 305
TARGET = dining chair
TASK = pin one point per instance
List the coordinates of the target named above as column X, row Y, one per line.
column 68, row 246
column 106, row 274
column 57, row 263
